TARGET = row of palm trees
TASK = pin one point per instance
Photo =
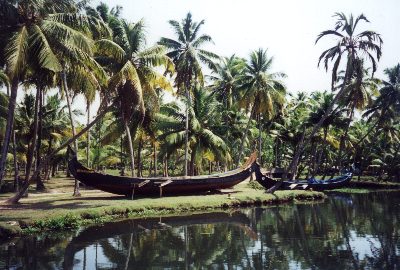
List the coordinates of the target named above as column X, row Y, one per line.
column 214, row 120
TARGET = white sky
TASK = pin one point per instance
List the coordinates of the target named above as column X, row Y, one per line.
column 288, row 28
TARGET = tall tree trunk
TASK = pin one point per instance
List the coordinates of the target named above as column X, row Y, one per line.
column 39, row 183
column 244, row 138
column 187, row 130
column 16, row 174
column 155, row 159
column 297, row 156
column 192, row 161
column 259, row 138
column 165, row 173
column 88, row 136
column 71, row 118
column 323, row 152
column 130, row 143
column 15, row 199
column 32, row 146
column 9, row 128
column 139, row 157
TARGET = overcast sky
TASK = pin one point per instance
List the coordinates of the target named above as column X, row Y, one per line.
column 288, row 28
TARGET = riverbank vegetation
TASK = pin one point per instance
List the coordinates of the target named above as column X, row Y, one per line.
column 175, row 107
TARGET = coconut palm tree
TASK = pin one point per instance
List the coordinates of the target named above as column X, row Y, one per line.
column 134, row 72
column 204, row 113
column 226, row 79
column 188, row 55
column 36, row 34
column 263, row 91
column 358, row 95
column 351, row 46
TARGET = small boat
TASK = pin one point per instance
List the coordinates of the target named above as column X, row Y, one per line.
column 130, row 186
column 312, row 183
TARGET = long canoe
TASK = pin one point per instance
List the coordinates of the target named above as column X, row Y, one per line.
column 314, row 184
column 130, row 186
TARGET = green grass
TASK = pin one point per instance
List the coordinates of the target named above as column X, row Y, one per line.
column 351, row 190
column 58, row 210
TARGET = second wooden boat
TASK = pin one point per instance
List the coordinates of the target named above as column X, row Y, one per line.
column 314, row 184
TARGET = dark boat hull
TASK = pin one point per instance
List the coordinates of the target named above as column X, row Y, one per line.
column 162, row 185
column 334, row 183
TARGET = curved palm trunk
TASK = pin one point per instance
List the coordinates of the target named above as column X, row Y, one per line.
column 9, row 128
column 71, row 118
column 16, row 173
column 294, row 163
column 343, row 140
column 130, row 143
column 15, row 199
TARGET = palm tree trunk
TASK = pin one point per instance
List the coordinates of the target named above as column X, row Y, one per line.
column 187, row 130
column 297, row 156
column 139, row 157
column 343, row 140
column 155, row 159
column 244, row 138
column 15, row 199
column 323, row 152
column 39, row 183
column 71, row 118
column 192, row 162
column 259, row 138
column 16, row 176
column 9, row 128
column 130, row 143
column 165, row 174
column 32, row 147
column 88, row 136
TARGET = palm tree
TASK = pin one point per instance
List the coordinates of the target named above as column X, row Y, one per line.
column 263, row 91
column 187, row 55
column 33, row 34
column 320, row 102
column 358, row 95
column 135, row 74
column 354, row 48
column 205, row 117
column 226, row 79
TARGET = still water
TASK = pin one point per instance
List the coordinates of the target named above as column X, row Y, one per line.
column 359, row 231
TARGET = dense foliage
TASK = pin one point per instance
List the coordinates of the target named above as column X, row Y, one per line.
column 176, row 108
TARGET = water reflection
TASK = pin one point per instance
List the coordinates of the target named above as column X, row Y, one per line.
column 345, row 232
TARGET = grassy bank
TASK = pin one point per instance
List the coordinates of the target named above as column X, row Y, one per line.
column 58, row 210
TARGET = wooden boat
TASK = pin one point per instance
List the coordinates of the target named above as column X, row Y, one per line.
column 130, row 186
column 312, row 183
